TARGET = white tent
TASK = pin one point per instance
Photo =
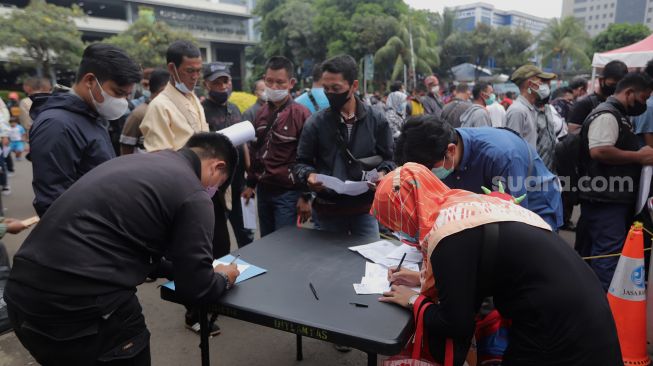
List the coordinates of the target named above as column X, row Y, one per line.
column 634, row 56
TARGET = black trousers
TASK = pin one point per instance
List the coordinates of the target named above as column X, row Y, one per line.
column 120, row 340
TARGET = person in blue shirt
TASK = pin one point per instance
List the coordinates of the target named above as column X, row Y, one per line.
column 314, row 99
column 643, row 123
column 471, row 158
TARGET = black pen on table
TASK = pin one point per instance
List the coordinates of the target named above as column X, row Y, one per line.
column 313, row 290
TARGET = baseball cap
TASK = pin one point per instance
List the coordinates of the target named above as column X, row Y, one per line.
column 528, row 71
column 214, row 70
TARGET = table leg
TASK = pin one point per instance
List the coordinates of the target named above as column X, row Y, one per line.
column 300, row 353
column 204, row 336
column 371, row 359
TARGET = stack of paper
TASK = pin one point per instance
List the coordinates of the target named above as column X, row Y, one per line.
column 375, row 280
column 247, row 270
column 388, row 254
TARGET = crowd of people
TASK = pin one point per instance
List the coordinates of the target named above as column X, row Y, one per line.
column 162, row 208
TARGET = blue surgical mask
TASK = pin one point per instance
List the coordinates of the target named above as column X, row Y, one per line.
column 441, row 172
column 491, row 99
column 180, row 85
column 147, row 94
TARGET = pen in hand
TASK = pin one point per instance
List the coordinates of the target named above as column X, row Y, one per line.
column 313, row 290
column 400, row 263
column 235, row 259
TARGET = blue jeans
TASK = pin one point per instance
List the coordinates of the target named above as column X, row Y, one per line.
column 602, row 229
column 275, row 209
column 360, row 225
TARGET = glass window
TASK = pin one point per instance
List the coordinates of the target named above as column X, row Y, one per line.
column 580, row 10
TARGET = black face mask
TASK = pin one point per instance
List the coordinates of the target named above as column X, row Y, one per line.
column 607, row 90
column 637, row 109
column 338, row 100
column 219, row 97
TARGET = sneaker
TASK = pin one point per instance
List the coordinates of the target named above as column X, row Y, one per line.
column 214, row 329
column 6, row 191
column 11, row 174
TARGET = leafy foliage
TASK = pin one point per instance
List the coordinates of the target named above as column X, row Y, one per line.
column 619, row 35
column 563, row 43
column 43, row 36
column 147, row 40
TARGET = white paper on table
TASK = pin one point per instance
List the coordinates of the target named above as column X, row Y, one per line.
column 375, row 280
column 241, row 267
column 239, row 133
column 377, row 252
column 349, row 187
column 644, row 187
column 413, row 254
column 249, row 214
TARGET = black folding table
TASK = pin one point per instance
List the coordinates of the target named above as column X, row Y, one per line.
column 282, row 299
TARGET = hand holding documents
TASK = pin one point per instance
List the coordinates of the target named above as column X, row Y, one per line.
column 30, row 221
column 349, row 187
column 249, row 214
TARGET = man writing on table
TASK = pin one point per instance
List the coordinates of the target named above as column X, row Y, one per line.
column 71, row 294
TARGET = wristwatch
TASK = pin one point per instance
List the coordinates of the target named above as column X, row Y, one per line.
column 411, row 301
column 228, row 284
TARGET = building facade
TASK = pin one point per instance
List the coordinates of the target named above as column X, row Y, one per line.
column 597, row 15
column 222, row 28
column 467, row 16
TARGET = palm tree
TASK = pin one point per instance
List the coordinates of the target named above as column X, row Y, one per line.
column 398, row 52
column 564, row 41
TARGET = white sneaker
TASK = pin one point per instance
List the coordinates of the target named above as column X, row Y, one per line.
column 6, row 191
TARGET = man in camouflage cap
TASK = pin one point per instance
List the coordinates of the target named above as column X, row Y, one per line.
column 528, row 115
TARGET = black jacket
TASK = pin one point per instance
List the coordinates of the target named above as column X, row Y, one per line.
column 318, row 151
column 109, row 230
column 67, row 140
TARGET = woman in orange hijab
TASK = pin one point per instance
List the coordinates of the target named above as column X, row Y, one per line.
column 476, row 246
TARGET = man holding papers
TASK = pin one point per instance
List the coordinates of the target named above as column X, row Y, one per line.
column 345, row 142
column 71, row 294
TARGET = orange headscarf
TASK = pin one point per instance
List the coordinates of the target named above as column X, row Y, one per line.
column 423, row 210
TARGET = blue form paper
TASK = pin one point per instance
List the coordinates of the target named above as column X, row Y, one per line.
column 250, row 272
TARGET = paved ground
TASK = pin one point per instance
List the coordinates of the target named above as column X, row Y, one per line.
column 240, row 343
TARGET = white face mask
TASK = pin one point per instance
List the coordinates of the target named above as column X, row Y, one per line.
column 275, row 95
column 180, row 85
column 435, row 90
column 543, row 91
column 112, row 108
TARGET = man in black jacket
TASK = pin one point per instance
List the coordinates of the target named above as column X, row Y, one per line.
column 610, row 164
column 71, row 293
column 69, row 136
column 331, row 143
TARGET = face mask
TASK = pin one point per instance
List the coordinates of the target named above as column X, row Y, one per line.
column 442, row 172
column 637, row 109
column 435, row 90
column 181, row 86
column 275, row 95
column 112, row 108
column 147, row 94
column 219, row 97
column 338, row 100
column 607, row 90
column 491, row 99
column 543, row 91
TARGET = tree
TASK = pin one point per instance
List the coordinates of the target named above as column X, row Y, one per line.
column 513, row 48
column 43, row 36
column 419, row 58
column 147, row 40
column 286, row 30
column 563, row 43
column 619, row 35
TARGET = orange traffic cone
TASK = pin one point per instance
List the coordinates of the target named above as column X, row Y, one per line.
column 627, row 298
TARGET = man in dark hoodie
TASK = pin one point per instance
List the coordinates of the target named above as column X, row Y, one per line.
column 69, row 136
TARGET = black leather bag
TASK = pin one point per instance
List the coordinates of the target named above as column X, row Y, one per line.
column 356, row 167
